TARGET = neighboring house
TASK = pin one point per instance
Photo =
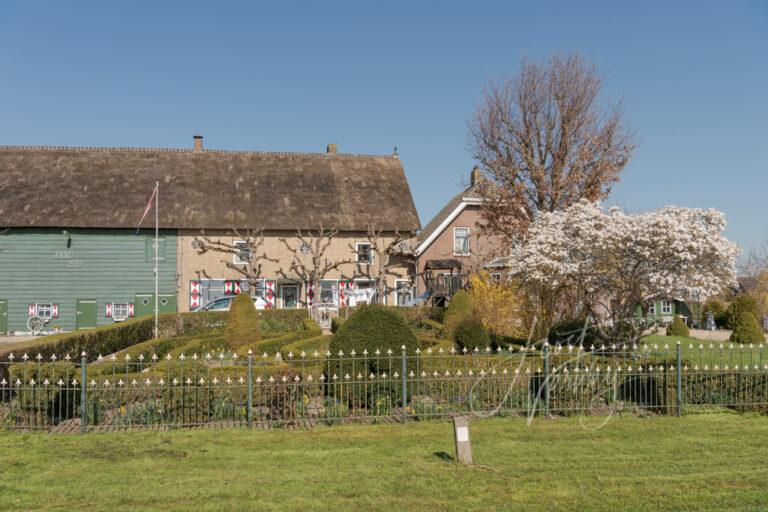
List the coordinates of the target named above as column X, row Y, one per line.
column 451, row 245
column 72, row 252
column 664, row 310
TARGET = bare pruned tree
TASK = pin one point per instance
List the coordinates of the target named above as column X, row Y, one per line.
column 244, row 247
column 310, row 262
column 544, row 141
column 388, row 252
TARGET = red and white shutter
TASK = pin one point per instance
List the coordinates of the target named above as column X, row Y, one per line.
column 130, row 309
column 108, row 310
column 236, row 287
column 269, row 293
column 342, row 293
column 54, row 311
column 194, row 294
column 227, row 287
column 32, row 310
column 310, row 293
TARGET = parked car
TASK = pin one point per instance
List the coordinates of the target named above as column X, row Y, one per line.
column 224, row 303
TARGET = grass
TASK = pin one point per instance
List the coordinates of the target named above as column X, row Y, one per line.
column 699, row 462
column 740, row 354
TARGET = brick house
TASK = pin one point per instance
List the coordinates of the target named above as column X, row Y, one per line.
column 451, row 245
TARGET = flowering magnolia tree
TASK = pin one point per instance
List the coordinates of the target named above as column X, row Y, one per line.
column 612, row 263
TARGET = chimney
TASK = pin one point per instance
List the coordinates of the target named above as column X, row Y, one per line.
column 198, row 143
column 476, row 176
column 331, row 149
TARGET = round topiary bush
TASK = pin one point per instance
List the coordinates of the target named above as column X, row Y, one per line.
column 470, row 333
column 243, row 322
column 741, row 304
column 370, row 328
column 573, row 331
column 747, row 329
column 678, row 328
column 459, row 308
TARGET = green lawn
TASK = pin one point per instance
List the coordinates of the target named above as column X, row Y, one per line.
column 699, row 462
column 740, row 353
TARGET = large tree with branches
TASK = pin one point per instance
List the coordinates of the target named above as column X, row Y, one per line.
column 246, row 246
column 544, row 141
column 310, row 260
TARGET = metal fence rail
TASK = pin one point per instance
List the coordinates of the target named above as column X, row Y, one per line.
column 285, row 390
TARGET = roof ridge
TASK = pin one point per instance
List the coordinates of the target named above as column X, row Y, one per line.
column 108, row 149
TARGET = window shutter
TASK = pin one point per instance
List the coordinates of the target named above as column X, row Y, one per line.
column 130, row 309
column 55, row 310
column 270, row 293
column 32, row 310
column 108, row 310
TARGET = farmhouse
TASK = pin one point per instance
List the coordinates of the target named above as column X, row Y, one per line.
column 70, row 250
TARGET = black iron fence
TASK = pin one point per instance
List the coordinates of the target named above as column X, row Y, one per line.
column 287, row 390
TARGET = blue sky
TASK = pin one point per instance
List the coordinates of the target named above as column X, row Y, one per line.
column 295, row 76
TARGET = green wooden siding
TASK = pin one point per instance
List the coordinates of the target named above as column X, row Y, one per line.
column 44, row 265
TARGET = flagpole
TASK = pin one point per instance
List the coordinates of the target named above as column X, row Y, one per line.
column 157, row 250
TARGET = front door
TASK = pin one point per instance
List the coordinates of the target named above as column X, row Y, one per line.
column 3, row 317
column 290, row 296
column 86, row 314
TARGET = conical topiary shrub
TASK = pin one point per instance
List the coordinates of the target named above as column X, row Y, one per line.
column 459, row 308
column 747, row 329
column 678, row 327
column 243, row 322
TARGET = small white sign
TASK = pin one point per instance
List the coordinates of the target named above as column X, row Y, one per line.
column 462, row 434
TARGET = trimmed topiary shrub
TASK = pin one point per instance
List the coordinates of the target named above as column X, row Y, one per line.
column 458, row 309
column 373, row 327
column 678, row 328
column 243, row 322
column 573, row 331
column 470, row 334
column 370, row 328
column 747, row 329
column 741, row 304
column 282, row 320
column 336, row 322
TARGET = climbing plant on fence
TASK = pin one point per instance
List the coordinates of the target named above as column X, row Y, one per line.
column 71, row 393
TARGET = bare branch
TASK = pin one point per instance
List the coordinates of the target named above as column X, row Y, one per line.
column 544, row 142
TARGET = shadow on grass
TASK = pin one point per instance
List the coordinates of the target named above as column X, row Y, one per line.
column 444, row 456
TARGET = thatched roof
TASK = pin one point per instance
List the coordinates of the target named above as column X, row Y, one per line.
column 207, row 189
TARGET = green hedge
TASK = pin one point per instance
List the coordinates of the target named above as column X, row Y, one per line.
column 336, row 322
column 412, row 315
column 471, row 334
column 747, row 329
column 282, row 320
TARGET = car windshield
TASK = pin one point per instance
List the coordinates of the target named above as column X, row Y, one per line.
column 218, row 305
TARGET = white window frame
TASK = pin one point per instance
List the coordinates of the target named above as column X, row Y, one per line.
column 652, row 308
column 407, row 289
column 48, row 305
column 118, row 317
column 468, row 251
column 666, row 307
column 357, row 253
column 334, row 291
column 236, row 259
